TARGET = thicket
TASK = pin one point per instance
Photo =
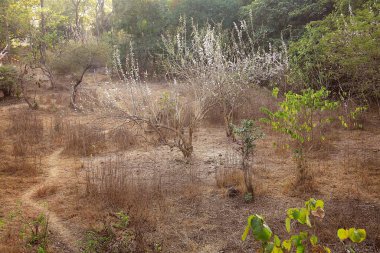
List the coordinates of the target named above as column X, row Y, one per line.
column 8, row 80
column 341, row 53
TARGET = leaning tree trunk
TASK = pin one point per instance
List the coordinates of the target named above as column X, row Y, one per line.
column 76, row 87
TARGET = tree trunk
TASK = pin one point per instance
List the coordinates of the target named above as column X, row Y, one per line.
column 43, row 34
column 248, row 180
column 75, row 88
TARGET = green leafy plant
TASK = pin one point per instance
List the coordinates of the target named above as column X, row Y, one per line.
column 35, row 231
column 354, row 235
column 115, row 236
column 301, row 241
column 247, row 133
column 123, row 220
column 8, row 80
column 297, row 118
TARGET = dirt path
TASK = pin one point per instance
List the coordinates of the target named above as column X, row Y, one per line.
column 56, row 225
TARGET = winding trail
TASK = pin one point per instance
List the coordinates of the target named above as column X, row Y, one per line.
column 56, row 225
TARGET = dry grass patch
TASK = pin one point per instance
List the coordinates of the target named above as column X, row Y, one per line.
column 27, row 127
column 123, row 138
column 83, row 140
column 45, row 191
column 114, row 187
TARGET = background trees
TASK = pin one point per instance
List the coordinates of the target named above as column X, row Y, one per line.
column 331, row 43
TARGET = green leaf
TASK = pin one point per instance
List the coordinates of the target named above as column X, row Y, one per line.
column 357, row 235
column 327, row 249
column 300, row 249
column 287, row 244
column 277, row 241
column 342, row 234
column 275, row 92
column 269, row 248
column 319, row 204
column 303, row 216
column 313, row 240
column 287, row 225
column 260, row 229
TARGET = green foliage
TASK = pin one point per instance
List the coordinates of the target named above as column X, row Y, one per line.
column 355, row 235
column 114, row 237
column 248, row 133
column 341, row 53
column 248, row 197
column 297, row 114
column 276, row 19
column 8, row 80
column 35, row 231
column 302, row 241
column 75, row 58
column 123, row 220
column 297, row 118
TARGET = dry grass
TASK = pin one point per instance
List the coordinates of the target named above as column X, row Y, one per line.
column 45, row 191
column 226, row 178
column 114, row 187
column 79, row 139
column 27, row 127
column 123, row 138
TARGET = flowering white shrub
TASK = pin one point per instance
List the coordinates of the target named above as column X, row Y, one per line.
column 220, row 67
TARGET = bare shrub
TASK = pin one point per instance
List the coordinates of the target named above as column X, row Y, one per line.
column 222, row 72
column 177, row 112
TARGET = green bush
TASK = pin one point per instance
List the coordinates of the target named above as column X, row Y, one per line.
column 75, row 59
column 8, row 80
column 341, row 53
column 298, row 117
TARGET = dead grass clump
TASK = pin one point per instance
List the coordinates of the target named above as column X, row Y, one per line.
column 27, row 127
column 83, row 140
column 21, row 167
column 226, row 178
column 45, row 191
column 123, row 138
column 117, row 188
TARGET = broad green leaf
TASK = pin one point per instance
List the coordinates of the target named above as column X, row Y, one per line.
column 327, row 249
column 357, row 235
column 342, row 234
column 319, row 203
column 260, row 229
column 313, row 240
column 303, row 216
column 287, row 225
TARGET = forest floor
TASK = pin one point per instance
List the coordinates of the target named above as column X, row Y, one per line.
column 182, row 206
